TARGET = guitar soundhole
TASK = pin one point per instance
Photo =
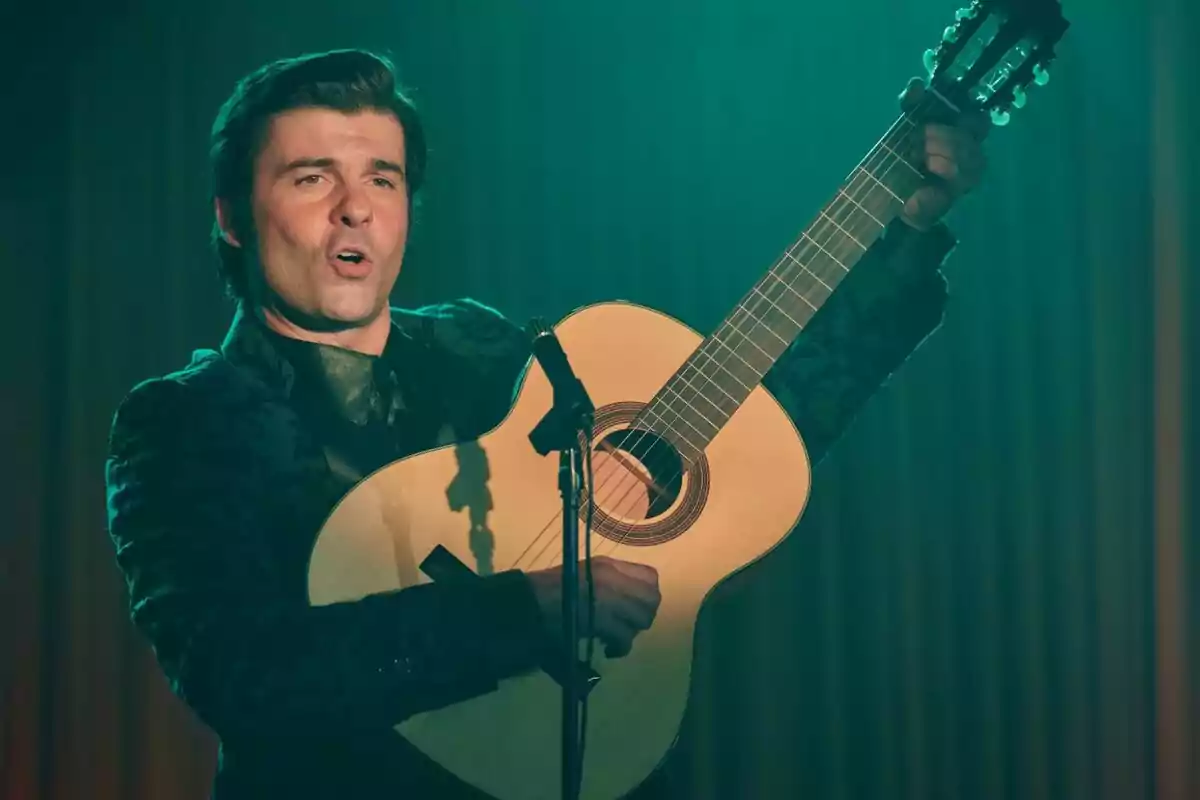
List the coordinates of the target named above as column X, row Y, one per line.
column 645, row 492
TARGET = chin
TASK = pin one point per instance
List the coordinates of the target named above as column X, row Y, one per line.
column 355, row 311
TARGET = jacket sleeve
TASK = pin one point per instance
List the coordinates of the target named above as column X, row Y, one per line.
column 885, row 308
column 492, row 353
column 191, row 513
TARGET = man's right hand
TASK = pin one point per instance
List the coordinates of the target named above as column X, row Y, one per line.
column 626, row 595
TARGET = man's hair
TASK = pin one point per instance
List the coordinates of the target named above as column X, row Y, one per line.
column 343, row 80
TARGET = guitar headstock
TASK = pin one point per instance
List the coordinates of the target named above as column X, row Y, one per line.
column 993, row 52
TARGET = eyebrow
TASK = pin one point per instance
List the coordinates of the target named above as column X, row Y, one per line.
column 378, row 165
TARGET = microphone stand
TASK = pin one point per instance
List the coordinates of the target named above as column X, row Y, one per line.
column 568, row 422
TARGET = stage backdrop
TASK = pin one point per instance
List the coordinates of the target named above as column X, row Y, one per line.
column 994, row 592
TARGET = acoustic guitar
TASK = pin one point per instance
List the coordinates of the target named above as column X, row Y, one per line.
column 697, row 469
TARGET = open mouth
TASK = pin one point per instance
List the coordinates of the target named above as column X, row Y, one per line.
column 351, row 256
column 351, row 263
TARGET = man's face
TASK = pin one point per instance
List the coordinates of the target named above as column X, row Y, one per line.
column 331, row 212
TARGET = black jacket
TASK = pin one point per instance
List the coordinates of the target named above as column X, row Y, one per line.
column 221, row 475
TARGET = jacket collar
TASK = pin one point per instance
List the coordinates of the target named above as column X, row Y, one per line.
column 355, row 386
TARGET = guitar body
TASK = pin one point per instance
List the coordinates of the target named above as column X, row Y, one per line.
column 494, row 503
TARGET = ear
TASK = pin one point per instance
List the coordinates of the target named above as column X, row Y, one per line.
column 224, row 214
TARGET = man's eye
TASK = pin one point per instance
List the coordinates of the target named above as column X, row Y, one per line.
column 307, row 179
column 385, row 183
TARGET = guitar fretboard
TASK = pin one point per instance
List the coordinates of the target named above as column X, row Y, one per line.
column 704, row 393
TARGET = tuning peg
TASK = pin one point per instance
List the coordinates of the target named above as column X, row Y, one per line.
column 930, row 61
column 950, row 34
column 964, row 13
column 1019, row 98
column 1040, row 76
column 1000, row 117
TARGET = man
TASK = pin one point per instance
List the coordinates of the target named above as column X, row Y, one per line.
column 221, row 475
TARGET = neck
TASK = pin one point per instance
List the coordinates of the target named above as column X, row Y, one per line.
column 368, row 339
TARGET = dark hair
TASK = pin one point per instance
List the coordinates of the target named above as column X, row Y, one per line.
column 344, row 80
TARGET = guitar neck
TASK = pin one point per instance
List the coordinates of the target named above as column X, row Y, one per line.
column 700, row 398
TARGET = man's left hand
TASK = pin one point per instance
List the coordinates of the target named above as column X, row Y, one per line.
column 951, row 155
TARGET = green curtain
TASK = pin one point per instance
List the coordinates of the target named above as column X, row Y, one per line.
column 994, row 591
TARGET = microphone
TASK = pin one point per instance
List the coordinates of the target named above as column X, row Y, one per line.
column 549, row 353
column 573, row 408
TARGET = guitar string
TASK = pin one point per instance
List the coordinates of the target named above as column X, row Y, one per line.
column 796, row 266
column 751, row 307
column 806, row 252
column 932, row 99
column 825, row 226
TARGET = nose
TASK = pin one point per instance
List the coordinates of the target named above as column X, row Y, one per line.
column 354, row 210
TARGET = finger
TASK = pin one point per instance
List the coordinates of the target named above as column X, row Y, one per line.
column 640, row 572
column 944, row 167
column 961, row 167
column 615, row 611
column 913, row 92
column 635, row 612
column 634, row 604
column 949, row 140
column 636, row 579
column 615, row 585
column 645, row 593
column 615, row 633
column 956, row 146
column 621, row 627
column 927, row 205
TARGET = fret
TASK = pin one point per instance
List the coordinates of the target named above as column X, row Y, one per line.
column 651, row 419
column 757, row 330
column 802, row 296
column 695, row 418
column 800, row 284
column 862, row 173
column 894, row 177
column 901, row 162
column 772, row 317
column 831, row 266
column 746, row 334
column 712, row 384
column 717, row 361
column 854, row 231
column 842, row 193
column 680, row 416
column 719, row 398
column 849, row 237
column 783, row 311
column 713, row 409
